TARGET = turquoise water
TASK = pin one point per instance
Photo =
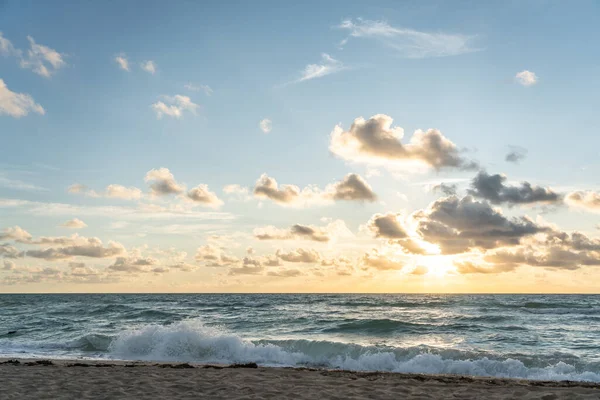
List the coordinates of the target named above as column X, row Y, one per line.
column 537, row 337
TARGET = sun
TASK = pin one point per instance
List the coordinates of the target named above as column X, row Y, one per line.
column 437, row 266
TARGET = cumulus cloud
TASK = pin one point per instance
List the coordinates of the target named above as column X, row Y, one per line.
column 409, row 43
column 388, row 226
column 516, row 154
column 196, row 88
column 299, row 255
column 9, row 251
column 17, row 105
column 134, row 265
column 266, row 125
column 557, row 250
column 74, row 223
column 162, row 182
column 584, row 200
column 149, row 66
column 201, row 194
column 351, row 188
column 213, row 256
column 9, row 266
column 304, row 232
column 327, row 66
column 17, row 234
column 122, row 192
column 494, row 189
column 449, row 189
column 457, row 225
column 122, row 62
column 526, row 78
column 391, row 227
column 381, row 261
column 84, row 247
column 174, row 106
column 375, row 141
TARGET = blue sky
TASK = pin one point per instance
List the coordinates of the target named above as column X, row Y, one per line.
column 306, row 68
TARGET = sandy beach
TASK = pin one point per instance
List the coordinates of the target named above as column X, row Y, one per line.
column 41, row 379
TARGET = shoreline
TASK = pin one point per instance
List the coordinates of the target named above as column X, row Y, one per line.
column 81, row 378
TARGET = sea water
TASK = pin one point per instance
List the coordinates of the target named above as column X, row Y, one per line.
column 550, row 337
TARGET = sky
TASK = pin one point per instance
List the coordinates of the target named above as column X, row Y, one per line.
column 340, row 146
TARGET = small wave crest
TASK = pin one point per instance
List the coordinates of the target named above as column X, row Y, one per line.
column 191, row 341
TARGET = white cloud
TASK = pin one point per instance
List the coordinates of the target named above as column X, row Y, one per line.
column 122, row 192
column 140, row 212
column 351, row 188
column 19, row 185
column 196, row 88
column 41, row 59
column 7, row 48
column 162, row 182
column 328, row 66
column 149, row 66
column 17, row 105
column 408, row 42
column 266, row 125
column 202, row 194
column 376, row 142
column 74, row 223
column 122, row 62
column 526, row 78
column 174, row 106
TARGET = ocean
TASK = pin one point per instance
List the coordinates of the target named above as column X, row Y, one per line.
column 547, row 337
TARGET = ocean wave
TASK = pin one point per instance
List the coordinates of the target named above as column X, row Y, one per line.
column 192, row 341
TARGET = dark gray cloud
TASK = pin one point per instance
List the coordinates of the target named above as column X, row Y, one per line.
column 494, row 189
column 353, row 187
column 449, row 189
column 515, row 154
column 458, row 225
column 387, row 226
column 375, row 140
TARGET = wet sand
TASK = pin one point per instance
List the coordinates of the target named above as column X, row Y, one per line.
column 77, row 379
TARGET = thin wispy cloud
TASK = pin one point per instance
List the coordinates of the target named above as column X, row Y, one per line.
column 327, row 66
column 197, row 88
column 174, row 106
column 122, row 61
column 42, row 60
column 149, row 66
column 409, row 43
column 17, row 105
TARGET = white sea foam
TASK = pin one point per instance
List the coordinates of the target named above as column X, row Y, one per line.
column 192, row 341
